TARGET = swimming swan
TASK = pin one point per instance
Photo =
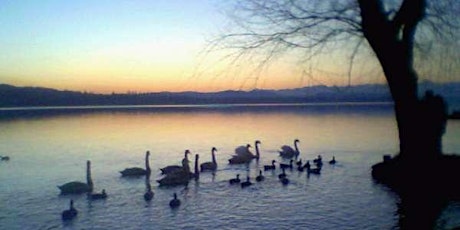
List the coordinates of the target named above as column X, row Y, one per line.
column 210, row 166
column 77, row 187
column 288, row 151
column 171, row 168
column 243, row 155
column 136, row 171
column 182, row 176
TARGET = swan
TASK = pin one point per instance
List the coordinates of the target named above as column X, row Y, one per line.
column 77, row 187
column 210, row 166
column 285, row 166
column 235, row 180
column 69, row 213
column 243, row 155
column 260, row 177
column 270, row 167
column 136, row 171
column 182, row 176
column 148, row 195
column 283, row 174
column 332, row 161
column 98, row 196
column 288, row 151
column 171, row 168
column 246, row 183
column 174, row 203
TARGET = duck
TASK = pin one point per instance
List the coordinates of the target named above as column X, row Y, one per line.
column 316, row 170
column 70, row 213
column 299, row 163
column 246, row 183
column 210, row 166
column 77, row 187
column 137, row 171
column 4, row 158
column 284, row 180
column 260, row 177
column 307, row 165
column 182, row 176
column 148, row 195
column 235, row 180
column 332, row 161
column 171, row 168
column 270, row 167
column 288, row 152
column 318, row 160
column 98, row 196
column 174, row 203
column 283, row 174
column 300, row 168
column 243, row 155
column 285, row 166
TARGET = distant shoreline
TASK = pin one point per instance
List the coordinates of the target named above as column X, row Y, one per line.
column 96, row 107
column 13, row 97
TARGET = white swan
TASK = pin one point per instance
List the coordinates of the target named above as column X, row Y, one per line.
column 171, row 168
column 210, row 166
column 288, row 152
column 137, row 171
column 243, row 155
column 77, row 187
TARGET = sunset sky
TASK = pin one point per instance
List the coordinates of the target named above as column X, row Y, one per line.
column 143, row 46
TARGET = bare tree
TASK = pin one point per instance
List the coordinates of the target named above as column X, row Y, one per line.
column 392, row 29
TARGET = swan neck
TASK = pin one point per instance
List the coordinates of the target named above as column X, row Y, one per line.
column 296, row 148
column 213, row 157
column 147, row 165
column 197, row 172
column 257, row 150
column 89, row 181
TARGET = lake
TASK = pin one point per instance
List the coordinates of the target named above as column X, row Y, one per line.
column 50, row 146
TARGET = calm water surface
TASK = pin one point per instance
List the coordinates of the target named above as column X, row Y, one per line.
column 50, row 147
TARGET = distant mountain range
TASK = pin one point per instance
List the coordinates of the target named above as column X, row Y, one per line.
column 12, row 96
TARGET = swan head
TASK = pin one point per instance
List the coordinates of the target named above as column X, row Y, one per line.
column 147, row 153
column 238, row 176
column 296, row 141
column 273, row 161
column 248, row 146
column 213, row 149
column 258, row 142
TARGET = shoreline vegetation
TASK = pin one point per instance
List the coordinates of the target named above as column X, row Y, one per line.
column 12, row 96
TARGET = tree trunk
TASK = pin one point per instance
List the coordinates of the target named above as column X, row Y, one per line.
column 421, row 123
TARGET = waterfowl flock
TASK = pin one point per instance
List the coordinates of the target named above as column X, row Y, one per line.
column 177, row 175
